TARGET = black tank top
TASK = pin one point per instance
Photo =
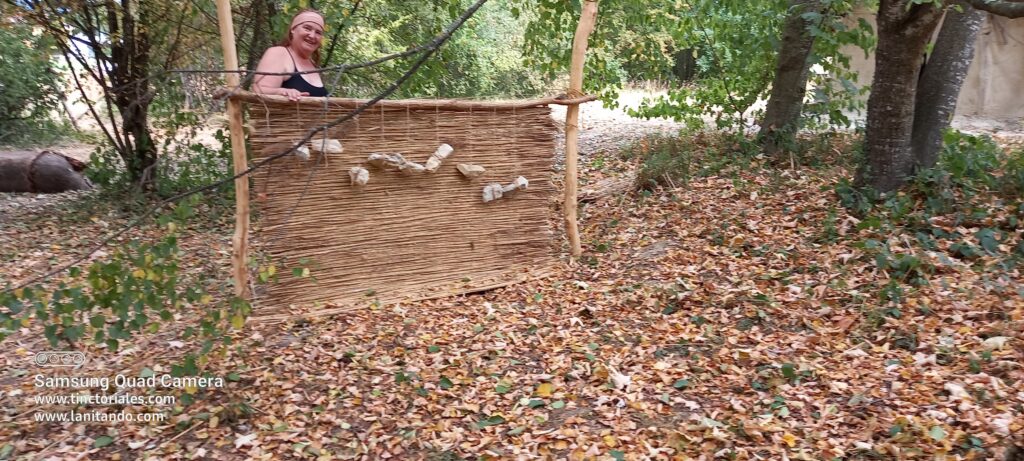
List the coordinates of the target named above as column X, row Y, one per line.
column 296, row 82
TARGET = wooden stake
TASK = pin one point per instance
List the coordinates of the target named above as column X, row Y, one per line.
column 579, row 50
column 240, row 241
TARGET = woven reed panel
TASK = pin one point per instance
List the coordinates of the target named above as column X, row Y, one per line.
column 403, row 236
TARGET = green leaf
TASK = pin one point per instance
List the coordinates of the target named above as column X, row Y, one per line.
column 433, row 349
column 617, row 455
column 536, row 403
column 445, row 383
column 987, row 238
column 234, row 377
column 681, row 384
column 146, row 373
column 102, row 441
column 6, row 451
column 937, row 434
column 558, row 404
column 789, row 371
column 491, row 421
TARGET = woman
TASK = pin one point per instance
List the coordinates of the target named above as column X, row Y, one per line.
column 298, row 52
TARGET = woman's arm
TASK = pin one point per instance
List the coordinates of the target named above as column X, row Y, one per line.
column 275, row 59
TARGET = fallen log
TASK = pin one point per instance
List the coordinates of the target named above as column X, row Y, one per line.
column 608, row 187
column 40, row 172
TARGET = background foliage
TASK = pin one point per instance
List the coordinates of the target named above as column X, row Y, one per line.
column 29, row 87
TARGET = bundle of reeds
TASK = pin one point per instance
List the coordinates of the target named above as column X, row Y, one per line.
column 402, row 236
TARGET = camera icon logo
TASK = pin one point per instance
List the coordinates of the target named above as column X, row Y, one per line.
column 59, row 358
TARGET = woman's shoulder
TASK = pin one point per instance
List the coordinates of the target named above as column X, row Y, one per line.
column 275, row 59
column 276, row 51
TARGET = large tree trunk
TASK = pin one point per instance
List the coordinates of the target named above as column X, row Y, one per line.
column 43, row 172
column 1007, row 8
column 903, row 34
column 262, row 12
column 782, row 116
column 941, row 80
column 132, row 95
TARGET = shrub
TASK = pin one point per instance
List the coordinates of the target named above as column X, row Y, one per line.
column 29, row 88
column 183, row 165
column 666, row 161
column 674, row 160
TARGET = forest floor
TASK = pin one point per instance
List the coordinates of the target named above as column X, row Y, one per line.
column 737, row 316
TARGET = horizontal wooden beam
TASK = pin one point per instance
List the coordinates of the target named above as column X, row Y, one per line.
column 430, row 104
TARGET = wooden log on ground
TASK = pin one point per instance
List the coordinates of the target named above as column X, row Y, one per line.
column 40, row 172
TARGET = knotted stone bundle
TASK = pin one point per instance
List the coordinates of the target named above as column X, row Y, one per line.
column 496, row 191
column 394, row 162
column 442, row 152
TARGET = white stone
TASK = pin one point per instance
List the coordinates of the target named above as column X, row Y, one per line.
column 492, row 192
column 328, row 146
column 359, row 176
column 469, row 170
column 442, row 152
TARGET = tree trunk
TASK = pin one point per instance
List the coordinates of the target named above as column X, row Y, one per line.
column 1006, row 8
column 941, row 80
column 782, row 116
column 43, row 172
column 262, row 12
column 903, row 34
column 132, row 95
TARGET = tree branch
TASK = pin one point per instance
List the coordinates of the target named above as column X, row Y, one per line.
column 337, row 33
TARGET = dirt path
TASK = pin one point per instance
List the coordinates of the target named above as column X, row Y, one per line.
column 608, row 130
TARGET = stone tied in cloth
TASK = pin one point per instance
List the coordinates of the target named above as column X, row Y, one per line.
column 307, row 16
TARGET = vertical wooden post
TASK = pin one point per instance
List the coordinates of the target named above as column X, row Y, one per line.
column 240, row 241
column 579, row 50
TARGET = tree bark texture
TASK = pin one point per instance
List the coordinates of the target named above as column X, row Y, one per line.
column 902, row 36
column 782, row 115
column 940, row 82
column 132, row 94
column 43, row 172
column 1007, row 8
column 262, row 11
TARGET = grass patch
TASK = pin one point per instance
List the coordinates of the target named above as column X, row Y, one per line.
column 674, row 161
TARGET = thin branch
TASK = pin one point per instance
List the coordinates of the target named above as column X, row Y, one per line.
column 85, row 97
column 337, row 33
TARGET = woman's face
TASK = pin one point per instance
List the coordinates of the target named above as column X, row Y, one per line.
column 307, row 37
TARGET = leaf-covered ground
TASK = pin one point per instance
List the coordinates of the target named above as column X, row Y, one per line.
column 732, row 318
